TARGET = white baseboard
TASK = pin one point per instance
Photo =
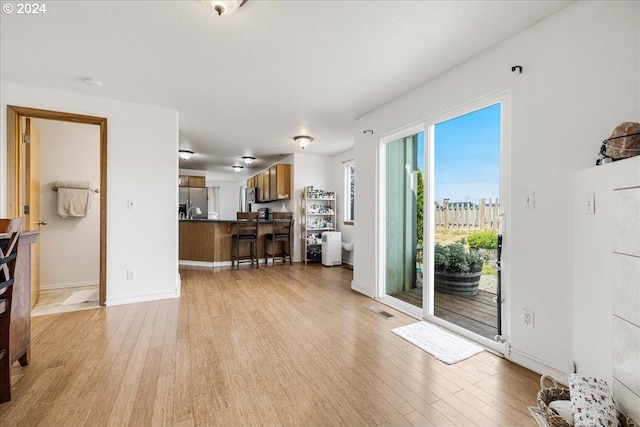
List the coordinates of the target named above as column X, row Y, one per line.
column 536, row 365
column 142, row 298
column 363, row 291
column 197, row 263
column 53, row 286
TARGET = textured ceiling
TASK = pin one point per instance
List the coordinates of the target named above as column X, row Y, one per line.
column 247, row 83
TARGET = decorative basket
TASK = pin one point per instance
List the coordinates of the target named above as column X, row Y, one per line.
column 547, row 395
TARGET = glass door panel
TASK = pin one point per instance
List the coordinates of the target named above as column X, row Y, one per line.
column 403, row 219
column 466, row 221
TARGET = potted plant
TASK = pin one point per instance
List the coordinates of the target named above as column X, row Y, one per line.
column 457, row 271
column 485, row 242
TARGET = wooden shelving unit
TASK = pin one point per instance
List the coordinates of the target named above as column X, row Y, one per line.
column 318, row 214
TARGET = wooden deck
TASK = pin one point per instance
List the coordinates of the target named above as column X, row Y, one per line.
column 476, row 313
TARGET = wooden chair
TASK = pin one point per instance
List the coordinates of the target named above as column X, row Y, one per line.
column 9, row 236
column 246, row 232
column 282, row 232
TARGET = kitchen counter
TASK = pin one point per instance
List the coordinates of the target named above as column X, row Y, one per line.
column 209, row 240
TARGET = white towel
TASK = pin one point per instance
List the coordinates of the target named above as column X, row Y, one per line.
column 74, row 202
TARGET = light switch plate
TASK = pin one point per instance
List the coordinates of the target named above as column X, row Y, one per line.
column 529, row 199
column 590, row 203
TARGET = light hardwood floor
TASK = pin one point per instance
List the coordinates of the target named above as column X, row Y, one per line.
column 284, row 345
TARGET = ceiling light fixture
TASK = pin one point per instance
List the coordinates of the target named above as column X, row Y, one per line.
column 185, row 154
column 93, row 82
column 226, row 7
column 303, row 140
column 248, row 159
column 237, row 168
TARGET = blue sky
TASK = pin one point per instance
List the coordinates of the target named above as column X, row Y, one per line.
column 467, row 156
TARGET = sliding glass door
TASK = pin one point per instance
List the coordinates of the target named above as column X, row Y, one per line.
column 442, row 218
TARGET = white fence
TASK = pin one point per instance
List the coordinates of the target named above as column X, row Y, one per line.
column 468, row 215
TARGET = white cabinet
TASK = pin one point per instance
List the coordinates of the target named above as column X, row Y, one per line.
column 318, row 215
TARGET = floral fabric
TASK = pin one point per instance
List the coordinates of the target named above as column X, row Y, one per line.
column 592, row 402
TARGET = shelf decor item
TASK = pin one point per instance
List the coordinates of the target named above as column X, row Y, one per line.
column 318, row 214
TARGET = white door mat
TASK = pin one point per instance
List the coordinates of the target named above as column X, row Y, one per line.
column 442, row 345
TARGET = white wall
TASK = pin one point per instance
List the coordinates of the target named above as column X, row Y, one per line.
column 337, row 177
column 593, row 263
column 142, row 165
column 307, row 169
column 69, row 247
column 581, row 78
column 229, row 198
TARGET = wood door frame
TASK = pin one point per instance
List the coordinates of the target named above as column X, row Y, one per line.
column 14, row 173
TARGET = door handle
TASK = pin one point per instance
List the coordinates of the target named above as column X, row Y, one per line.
column 42, row 222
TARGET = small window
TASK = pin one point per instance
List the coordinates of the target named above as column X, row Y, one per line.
column 349, row 191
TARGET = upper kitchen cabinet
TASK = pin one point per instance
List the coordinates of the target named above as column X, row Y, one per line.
column 264, row 194
column 251, row 182
column 272, row 184
column 280, row 182
column 191, row 181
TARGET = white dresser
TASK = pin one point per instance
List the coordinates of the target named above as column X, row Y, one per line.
column 626, row 300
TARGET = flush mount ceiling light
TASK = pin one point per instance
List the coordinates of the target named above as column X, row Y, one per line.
column 248, row 159
column 185, row 154
column 303, row 140
column 237, row 168
column 226, row 7
column 93, row 82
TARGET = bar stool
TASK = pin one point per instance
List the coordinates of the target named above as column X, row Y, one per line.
column 8, row 254
column 282, row 232
column 246, row 232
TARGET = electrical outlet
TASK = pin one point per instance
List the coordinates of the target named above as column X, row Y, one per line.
column 526, row 318
column 131, row 275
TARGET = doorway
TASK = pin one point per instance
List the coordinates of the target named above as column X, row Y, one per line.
column 22, row 190
column 466, row 220
column 443, row 187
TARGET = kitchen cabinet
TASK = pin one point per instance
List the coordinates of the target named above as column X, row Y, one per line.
column 272, row 184
column 280, row 182
column 251, row 182
column 210, row 240
column 259, row 188
column 318, row 212
column 191, row 181
column 264, row 186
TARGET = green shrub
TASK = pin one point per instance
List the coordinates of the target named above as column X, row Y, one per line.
column 486, row 239
column 454, row 258
column 489, row 270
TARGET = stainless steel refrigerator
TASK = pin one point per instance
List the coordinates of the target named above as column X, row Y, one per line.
column 194, row 200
